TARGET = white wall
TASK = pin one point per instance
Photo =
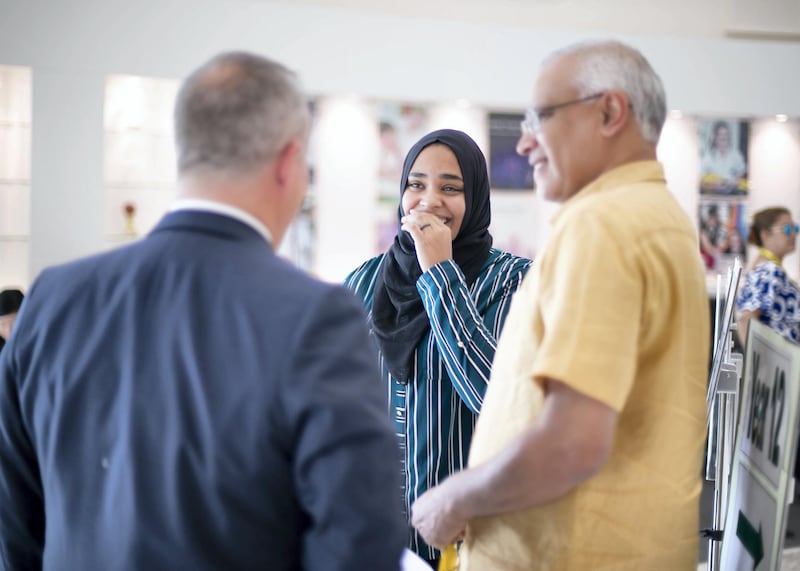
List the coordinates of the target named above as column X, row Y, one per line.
column 67, row 196
column 72, row 45
column 345, row 51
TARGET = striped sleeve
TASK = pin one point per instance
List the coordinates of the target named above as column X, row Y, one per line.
column 361, row 281
column 466, row 322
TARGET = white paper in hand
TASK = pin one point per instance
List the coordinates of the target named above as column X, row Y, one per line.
column 410, row 561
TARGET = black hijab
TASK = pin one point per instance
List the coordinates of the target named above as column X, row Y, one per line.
column 398, row 319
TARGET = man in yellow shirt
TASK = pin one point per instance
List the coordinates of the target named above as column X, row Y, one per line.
column 588, row 450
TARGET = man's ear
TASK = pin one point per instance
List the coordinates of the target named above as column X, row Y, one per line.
column 285, row 162
column 616, row 113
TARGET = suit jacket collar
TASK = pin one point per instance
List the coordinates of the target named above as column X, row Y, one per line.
column 223, row 208
column 209, row 223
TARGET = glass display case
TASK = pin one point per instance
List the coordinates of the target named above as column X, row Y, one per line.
column 15, row 179
column 139, row 163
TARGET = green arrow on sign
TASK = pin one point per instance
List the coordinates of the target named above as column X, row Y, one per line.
column 751, row 539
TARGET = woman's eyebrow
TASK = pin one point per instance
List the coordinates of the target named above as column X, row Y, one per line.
column 451, row 176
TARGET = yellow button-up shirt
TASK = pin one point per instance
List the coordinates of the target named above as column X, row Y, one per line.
column 616, row 308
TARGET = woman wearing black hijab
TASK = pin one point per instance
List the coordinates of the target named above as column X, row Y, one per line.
column 437, row 300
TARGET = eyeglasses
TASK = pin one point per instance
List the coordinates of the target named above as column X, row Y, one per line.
column 789, row 229
column 534, row 116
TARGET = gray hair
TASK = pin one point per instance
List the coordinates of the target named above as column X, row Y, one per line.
column 237, row 112
column 607, row 64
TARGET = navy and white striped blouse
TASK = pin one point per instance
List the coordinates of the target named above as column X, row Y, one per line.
column 435, row 413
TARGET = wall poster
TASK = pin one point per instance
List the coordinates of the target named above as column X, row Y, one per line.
column 723, row 233
column 507, row 169
column 400, row 125
column 298, row 244
column 723, row 156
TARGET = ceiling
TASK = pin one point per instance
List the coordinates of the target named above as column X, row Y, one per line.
column 755, row 19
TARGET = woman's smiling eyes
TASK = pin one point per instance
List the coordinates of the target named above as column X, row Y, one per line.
column 419, row 185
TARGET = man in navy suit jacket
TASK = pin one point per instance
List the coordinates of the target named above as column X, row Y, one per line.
column 192, row 401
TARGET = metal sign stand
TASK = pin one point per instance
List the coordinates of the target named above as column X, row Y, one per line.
column 721, row 441
column 722, row 410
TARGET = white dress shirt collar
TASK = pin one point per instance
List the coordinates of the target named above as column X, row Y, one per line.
column 224, row 209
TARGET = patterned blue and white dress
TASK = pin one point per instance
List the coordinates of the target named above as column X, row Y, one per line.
column 767, row 288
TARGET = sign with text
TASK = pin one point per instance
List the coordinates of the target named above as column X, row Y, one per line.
column 766, row 440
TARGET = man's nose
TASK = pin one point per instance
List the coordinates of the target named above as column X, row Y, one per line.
column 526, row 144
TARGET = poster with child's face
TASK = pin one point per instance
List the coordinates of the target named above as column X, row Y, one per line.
column 723, row 234
column 399, row 127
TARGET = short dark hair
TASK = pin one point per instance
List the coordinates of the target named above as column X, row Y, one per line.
column 10, row 301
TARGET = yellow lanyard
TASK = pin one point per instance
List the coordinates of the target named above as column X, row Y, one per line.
column 449, row 558
column 770, row 256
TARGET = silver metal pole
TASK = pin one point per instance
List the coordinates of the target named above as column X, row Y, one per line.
column 726, row 406
column 722, row 412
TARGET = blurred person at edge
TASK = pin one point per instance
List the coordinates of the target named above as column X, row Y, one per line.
column 10, row 303
column 192, row 400
column 588, row 450
column 437, row 300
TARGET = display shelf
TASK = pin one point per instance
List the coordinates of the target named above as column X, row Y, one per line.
column 14, row 209
column 14, row 261
column 139, row 154
column 15, row 152
column 298, row 243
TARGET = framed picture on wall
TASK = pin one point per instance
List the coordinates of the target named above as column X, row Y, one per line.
column 513, row 223
column 387, row 226
column 299, row 244
column 507, row 169
column 723, row 233
column 723, row 156
column 400, row 125
column 311, row 151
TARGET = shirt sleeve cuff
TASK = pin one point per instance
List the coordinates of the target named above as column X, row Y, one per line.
column 435, row 279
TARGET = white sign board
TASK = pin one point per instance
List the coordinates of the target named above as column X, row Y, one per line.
column 766, row 440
